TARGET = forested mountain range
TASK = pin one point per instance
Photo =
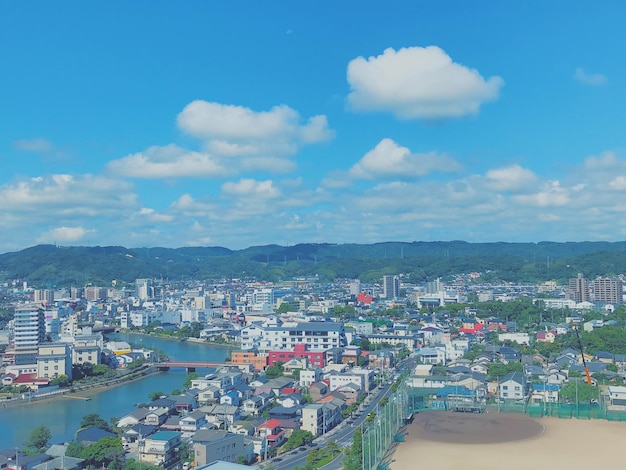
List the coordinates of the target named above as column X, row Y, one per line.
column 50, row 265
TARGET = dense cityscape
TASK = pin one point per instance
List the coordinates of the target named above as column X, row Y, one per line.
column 307, row 364
column 312, row 235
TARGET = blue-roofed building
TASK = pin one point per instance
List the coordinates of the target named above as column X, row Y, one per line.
column 92, row 434
column 545, row 393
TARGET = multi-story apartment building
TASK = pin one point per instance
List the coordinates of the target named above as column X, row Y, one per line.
column 43, row 296
column 258, row 361
column 319, row 418
column 54, row 359
column 29, row 331
column 87, row 348
column 210, row 445
column 578, row 289
column 609, row 290
column 317, row 336
column 95, row 293
column 391, row 287
column 300, row 351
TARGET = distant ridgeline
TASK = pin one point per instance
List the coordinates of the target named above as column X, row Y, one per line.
column 50, row 265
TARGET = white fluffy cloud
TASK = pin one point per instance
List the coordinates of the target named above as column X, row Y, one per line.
column 418, row 82
column 250, row 188
column 170, row 161
column 65, row 235
column 209, row 120
column 586, row 78
column 58, row 195
column 234, row 140
column 389, row 160
column 511, row 178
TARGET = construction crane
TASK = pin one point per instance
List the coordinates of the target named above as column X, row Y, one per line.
column 582, row 354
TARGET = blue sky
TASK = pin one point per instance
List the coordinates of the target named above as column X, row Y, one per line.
column 153, row 123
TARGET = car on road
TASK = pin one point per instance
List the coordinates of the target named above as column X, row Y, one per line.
column 278, row 460
column 302, row 449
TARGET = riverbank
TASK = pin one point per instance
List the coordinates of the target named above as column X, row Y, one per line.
column 172, row 338
column 84, row 392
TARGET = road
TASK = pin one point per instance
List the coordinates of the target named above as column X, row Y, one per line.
column 341, row 434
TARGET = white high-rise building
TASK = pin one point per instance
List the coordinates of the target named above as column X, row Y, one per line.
column 29, row 330
column 143, row 289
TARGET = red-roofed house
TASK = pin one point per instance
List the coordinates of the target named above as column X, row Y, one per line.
column 546, row 336
column 30, row 380
column 272, row 432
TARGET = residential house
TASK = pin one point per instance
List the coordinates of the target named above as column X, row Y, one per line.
column 433, row 355
column 544, row 393
column 185, row 402
column 92, row 435
column 255, row 405
column 136, row 433
column 222, row 415
column 166, row 404
column 133, row 418
column 319, row 390
column 192, row 421
column 160, row 449
column 271, row 431
column 309, row 377
column 616, row 397
column 430, row 381
column 210, row 394
column 351, row 393
column 156, row 417
column 512, row 386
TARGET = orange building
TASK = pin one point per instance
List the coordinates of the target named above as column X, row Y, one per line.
column 259, row 362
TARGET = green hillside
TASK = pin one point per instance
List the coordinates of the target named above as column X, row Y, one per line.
column 49, row 265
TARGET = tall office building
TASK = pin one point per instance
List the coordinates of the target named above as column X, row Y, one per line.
column 29, row 330
column 143, row 289
column 578, row 289
column 391, row 287
column 609, row 290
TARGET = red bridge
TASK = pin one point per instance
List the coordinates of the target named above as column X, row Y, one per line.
column 191, row 366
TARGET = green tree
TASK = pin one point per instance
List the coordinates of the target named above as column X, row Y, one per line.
column 353, row 459
column 582, row 391
column 75, row 449
column 274, row 371
column 298, row 438
column 94, row 419
column 190, row 376
column 155, row 395
column 38, row 438
column 60, row 380
column 499, row 369
column 104, row 452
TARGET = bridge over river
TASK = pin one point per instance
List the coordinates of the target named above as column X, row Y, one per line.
column 191, row 366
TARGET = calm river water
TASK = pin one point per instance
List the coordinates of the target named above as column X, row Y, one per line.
column 63, row 416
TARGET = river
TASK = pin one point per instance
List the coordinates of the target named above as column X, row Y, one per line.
column 63, row 416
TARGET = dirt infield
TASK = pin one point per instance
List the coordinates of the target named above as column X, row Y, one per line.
column 470, row 428
column 459, row 441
